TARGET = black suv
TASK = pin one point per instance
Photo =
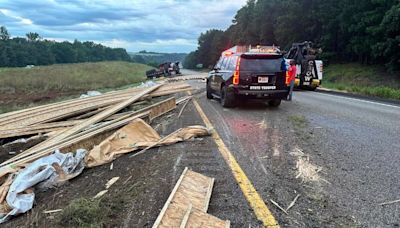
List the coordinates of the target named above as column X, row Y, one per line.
column 256, row 73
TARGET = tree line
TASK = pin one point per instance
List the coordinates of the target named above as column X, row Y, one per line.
column 33, row 50
column 366, row 31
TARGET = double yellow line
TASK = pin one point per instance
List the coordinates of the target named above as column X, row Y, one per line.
column 252, row 196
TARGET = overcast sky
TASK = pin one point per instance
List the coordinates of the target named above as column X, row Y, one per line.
column 165, row 25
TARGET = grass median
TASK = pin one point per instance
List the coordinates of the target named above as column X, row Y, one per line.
column 361, row 79
column 24, row 87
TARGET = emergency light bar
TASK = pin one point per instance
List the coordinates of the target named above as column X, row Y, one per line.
column 249, row 49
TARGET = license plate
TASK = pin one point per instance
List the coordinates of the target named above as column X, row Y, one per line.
column 306, row 83
column 262, row 87
column 262, row 79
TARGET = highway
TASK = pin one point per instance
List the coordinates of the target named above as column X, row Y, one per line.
column 341, row 155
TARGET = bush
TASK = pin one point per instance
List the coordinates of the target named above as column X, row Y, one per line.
column 82, row 213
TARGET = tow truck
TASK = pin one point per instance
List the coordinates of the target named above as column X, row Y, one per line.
column 309, row 70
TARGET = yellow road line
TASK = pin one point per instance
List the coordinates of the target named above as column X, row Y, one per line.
column 253, row 197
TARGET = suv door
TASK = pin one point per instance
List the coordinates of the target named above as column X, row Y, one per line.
column 213, row 74
column 218, row 74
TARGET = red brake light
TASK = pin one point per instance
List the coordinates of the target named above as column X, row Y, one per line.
column 287, row 78
column 236, row 74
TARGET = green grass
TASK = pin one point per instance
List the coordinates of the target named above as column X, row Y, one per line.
column 83, row 212
column 299, row 121
column 362, row 79
column 67, row 77
column 87, row 212
column 22, row 87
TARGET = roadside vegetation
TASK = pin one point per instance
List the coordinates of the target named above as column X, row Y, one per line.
column 361, row 79
column 23, row 87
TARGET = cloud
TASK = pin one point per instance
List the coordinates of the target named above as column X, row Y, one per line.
column 172, row 25
column 9, row 14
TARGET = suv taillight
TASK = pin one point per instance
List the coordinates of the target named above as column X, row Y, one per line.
column 236, row 74
column 287, row 78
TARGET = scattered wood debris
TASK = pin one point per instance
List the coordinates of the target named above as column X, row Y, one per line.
column 69, row 123
column 111, row 182
column 293, row 202
column 278, row 206
column 183, row 107
column 52, row 211
column 100, row 194
column 188, row 203
column 389, row 202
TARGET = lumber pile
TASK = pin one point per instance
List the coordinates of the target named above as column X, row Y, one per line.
column 121, row 118
column 73, row 121
column 188, row 203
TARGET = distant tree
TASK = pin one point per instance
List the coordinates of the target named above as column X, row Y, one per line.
column 20, row 51
column 4, row 35
column 366, row 31
column 33, row 36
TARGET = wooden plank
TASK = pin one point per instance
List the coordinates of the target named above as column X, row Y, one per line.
column 186, row 217
column 163, row 108
column 35, row 129
column 191, row 190
column 169, row 200
column 199, row 219
column 88, row 114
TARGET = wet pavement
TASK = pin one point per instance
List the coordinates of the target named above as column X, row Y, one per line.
column 353, row 143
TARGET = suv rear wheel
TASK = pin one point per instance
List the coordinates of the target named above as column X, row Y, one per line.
column 208, row 90
column 227, row 97
column 274, row 103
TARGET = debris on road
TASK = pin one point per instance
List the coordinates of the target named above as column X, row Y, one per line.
column 278, row 206
column 307, row 171
column 183, row 107
column 389, row 202
column 108, row 185
column 90, row 94
column 44, row 172
column 293, row 202
column 138, row 134
column 188, row 203
column 100, row 194
column 111, row 182
column 107, row 125
column 52, row 211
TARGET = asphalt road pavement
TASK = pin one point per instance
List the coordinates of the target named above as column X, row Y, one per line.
column 341, row 156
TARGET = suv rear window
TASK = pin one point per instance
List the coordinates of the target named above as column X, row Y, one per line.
column 261, row 64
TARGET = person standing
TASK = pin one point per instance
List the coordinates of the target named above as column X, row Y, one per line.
column 292, row 77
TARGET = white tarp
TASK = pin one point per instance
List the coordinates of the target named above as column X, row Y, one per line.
column 90, row 94
column 146, row 84
column 47, row 172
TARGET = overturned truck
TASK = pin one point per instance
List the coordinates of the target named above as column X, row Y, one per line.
column 165, row 69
